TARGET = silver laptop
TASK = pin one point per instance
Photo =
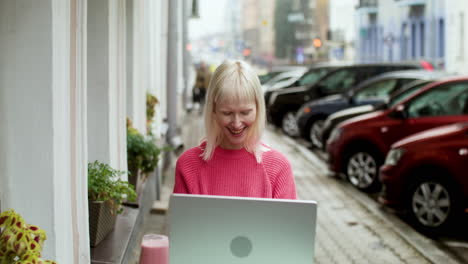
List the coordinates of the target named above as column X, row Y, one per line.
column 223, row 230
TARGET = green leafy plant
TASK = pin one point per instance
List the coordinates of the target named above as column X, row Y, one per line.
column 151, row 102
column 142, row 153
column 20, row 243
column 104, row 184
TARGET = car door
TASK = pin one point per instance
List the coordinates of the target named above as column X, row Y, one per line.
column 441, row 105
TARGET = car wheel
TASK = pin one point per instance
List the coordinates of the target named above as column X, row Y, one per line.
column 432, row 203
column 316, row 133
column 289, row 124
column 362, row 169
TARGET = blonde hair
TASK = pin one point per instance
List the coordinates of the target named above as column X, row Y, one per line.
column 234, row 81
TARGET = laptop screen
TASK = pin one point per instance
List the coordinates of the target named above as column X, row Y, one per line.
column 220, row 229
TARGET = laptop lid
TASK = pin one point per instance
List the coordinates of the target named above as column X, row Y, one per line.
column 219, row 229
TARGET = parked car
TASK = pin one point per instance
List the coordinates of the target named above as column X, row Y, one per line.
column 333, row 120
column 284, row 79
column 264, row 78
column 283, row 104
column 426, row 174
column 312, row 115
column 315, row 73
column 358, row 146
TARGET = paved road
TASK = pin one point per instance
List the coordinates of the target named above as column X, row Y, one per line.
column 352, row 228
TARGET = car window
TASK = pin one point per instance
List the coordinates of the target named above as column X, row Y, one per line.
column 410, row 89
column 439, row 101
column 283, row 79
column 405, row 81
column 267, row 76
column 379, row 89
column 338, row 81
column 313, row 76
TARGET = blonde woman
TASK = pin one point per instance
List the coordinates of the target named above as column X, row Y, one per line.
column 232, row 160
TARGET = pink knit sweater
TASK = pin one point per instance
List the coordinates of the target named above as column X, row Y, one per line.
column 235, row 173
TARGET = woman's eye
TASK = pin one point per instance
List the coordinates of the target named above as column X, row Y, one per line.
column 226, row 113
column 245, row 113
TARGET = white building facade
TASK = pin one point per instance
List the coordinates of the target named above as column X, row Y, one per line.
column 456, row 56
column 71, row 71
column 401, row 30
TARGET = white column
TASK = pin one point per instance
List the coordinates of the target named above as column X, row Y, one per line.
column 79, row 135
column 157, row 62
column 164, row 28
column 43, row 145
column 106, row 83
column 137, row 112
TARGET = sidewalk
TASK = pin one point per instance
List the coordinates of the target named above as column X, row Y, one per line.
column 350, row 228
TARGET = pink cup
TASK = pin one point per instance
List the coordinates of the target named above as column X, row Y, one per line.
column 154, row 249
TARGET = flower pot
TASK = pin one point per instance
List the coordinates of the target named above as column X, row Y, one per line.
column 133, row 177
column 101, row 221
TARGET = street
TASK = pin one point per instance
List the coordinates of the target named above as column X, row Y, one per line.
column 352, row 227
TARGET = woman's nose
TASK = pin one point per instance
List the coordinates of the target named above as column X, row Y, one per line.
column 236, row 121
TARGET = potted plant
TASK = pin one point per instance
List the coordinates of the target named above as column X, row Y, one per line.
column 142, row 155
column 106, row 193
column 20, row 242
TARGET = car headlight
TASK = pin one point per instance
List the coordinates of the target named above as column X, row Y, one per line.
column 272, row 98
column 335, row 134
column 393, row 156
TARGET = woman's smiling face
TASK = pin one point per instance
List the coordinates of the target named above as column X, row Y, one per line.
column 234, row 120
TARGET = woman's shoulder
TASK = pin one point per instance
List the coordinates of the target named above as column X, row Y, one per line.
column 191, row 156
column 271, row 155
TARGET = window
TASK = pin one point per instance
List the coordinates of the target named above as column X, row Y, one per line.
column 422, row 41
column 406, row 92
column 404, row 41
column 441, row 38
column 378, row 89
column 413, row 40
column 461, row 49
column 338, row 81
column 439, row 101
column 313, row 76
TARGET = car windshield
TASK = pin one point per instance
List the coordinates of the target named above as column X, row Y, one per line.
column 313, row 76
column 379, row 89
column 340, row 80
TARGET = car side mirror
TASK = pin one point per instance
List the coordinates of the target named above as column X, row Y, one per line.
column 399, row 112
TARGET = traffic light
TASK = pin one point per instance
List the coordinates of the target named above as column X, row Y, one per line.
column 317, row 42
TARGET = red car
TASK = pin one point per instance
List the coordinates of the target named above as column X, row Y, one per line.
column 357, row 147
column 426, row 174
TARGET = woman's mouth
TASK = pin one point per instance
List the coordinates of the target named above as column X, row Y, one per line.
column 236, row 132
